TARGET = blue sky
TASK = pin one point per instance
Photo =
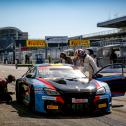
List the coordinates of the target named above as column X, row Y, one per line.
column 42, row 18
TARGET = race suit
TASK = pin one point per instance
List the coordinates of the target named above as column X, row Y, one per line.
column 90, row 66
column 87, row 64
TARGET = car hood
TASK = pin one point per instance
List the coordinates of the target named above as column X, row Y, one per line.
column 73, row 84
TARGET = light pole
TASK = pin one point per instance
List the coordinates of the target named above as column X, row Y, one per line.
column 13, row 51
column 14, row 47
column 46, row 50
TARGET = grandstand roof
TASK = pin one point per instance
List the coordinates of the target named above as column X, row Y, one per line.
column 11, row 28
column 114, row 23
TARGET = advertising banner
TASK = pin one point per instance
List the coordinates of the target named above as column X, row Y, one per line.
column 79, row 42
column 36, row 43
column 85, row 43
column 75, row 42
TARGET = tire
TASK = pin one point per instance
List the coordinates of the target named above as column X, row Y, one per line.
column 8, row 98
column 17, row 93
column 32, row 99
column 19, row 97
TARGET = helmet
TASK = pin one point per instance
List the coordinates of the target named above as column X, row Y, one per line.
column 80, row 52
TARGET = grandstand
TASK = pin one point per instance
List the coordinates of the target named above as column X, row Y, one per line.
column 8, row 36
column 115, row 36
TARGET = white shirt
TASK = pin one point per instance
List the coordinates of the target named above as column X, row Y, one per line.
column 87, row 64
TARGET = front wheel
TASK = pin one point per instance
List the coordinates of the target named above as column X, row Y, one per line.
column 19, row 97
column 32, row 99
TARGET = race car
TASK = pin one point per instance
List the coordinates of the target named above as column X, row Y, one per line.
column 62, row 88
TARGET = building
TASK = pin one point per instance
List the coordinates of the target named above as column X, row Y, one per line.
column 115, row 36
column 112, row 40
column 8, row 36
column 56, row 45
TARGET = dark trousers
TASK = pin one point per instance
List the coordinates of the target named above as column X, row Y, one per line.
column 4, row 95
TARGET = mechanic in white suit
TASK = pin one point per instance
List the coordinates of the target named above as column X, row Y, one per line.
column 85, row 62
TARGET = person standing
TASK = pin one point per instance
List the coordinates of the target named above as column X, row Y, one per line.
column 113, row 57
column 86, row 62
column 4, row 95
column 66, row 59
column 49, row 58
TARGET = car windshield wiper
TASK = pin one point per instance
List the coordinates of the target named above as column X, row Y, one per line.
column 74, row 78
column 71, row 78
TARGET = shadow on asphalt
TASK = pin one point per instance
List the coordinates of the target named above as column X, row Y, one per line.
column 23, row 111
column 116, row 106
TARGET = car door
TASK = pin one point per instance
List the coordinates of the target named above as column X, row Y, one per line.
column 115, row 76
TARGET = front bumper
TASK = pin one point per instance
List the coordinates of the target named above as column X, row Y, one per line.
column 79, row 103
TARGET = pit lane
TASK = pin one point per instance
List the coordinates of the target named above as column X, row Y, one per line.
column 16, row 115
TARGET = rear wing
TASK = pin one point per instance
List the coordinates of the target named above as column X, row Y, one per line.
column 23, row 65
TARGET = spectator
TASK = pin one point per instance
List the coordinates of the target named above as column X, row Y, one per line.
column 4, row 95
column 66, row 59
column 27, row 59
column 113, row 57
column 49, row 58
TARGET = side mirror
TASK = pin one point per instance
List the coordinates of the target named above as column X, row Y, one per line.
column 97, row 76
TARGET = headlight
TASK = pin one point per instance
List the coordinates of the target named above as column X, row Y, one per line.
column 101, row 91
column 49, row 91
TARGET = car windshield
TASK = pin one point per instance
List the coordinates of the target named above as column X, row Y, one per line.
column 59, row 72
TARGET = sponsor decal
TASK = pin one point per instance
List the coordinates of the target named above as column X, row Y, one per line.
column 44, row 72
column 52, row 107
column 38, row 89
column 102, row 105
column 74, row 100
column 42, row 67
column 59, row 64
column 48, row 98
column 103, row 96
